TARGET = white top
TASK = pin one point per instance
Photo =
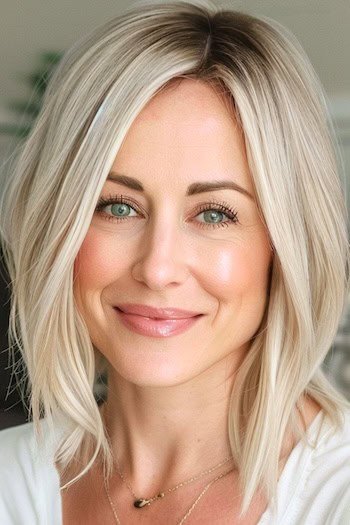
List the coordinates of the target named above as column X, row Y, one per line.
column 314, row 488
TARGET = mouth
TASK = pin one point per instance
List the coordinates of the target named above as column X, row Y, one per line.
column 156, row 322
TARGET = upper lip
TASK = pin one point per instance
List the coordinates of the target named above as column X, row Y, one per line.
column 156, row 313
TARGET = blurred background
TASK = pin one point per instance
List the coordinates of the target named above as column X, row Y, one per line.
column 35, row 33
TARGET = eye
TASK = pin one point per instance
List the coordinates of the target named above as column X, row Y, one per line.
column 117, row 208
column 212, row 215
column 120, row 209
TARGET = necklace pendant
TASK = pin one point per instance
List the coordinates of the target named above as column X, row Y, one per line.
column 139, row 503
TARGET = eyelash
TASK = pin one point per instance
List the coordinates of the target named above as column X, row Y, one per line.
column 116, row 199
column 212, row 205
column 221, row 207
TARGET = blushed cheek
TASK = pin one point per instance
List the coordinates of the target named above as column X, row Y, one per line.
column 96, row 262
column 235, row 271
column 229, row 268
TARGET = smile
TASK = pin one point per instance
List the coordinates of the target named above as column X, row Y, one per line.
column 155, row 322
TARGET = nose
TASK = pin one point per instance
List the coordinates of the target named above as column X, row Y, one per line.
column 161, row 261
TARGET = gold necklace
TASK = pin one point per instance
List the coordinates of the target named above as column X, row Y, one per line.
column 139, row 503
column 189, row 511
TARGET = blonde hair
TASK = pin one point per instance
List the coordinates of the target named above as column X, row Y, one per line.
column 100, row 87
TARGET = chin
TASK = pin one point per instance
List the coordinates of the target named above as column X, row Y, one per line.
column 153, row 374
column 171, row 362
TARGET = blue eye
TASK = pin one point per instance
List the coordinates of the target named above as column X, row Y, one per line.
column 116, row 209
column 216, row 215
column 120, row 209
column 209, row 215
column 213, row 216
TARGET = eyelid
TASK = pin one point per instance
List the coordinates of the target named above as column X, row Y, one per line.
column 222, row 207
column 214, row 205
column 118, row 199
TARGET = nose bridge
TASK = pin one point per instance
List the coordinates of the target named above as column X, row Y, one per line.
column 163, row 258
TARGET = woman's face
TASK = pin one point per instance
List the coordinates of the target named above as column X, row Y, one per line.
column 176, row 229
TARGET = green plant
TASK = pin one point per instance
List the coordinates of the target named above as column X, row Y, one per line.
column 27, row 111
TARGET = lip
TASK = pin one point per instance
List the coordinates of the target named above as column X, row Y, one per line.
column 156, row 313
column 156, row 322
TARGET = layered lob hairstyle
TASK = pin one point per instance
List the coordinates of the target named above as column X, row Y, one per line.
column 98, row 90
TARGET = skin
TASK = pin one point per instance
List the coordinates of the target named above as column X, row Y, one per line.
column 170, row 257
column 168, row 397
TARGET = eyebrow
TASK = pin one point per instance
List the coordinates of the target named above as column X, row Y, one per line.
column 129, row 182
column 193, row 189
column 202, row 187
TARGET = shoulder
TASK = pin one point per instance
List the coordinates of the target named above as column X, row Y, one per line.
column 27, row 475
column 17, row 474
column 331, row 448
column 16, row 445
column 330, row 469
column 15, row 439
column 315, row 484
column 328, row 483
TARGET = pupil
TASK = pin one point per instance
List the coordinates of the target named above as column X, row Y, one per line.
column 213, row 216
column 120, row 209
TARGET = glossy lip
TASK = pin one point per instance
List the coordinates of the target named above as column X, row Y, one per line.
column 156, row 313
column 156, row 322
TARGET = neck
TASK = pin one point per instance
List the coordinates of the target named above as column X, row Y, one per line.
column 166, row 434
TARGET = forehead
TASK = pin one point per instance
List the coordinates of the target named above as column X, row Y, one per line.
column 187, row 131
column 189, row 98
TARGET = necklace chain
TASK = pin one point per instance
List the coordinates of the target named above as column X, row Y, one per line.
column 142, row 502
column 189, row 511
column 207, row 487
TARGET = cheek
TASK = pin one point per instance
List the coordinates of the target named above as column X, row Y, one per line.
column 238, row 270
column 97, row 262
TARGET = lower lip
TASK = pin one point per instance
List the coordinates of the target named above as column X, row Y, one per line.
column 156, row 327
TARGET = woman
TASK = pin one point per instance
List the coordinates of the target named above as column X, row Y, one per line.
column 176, row 219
